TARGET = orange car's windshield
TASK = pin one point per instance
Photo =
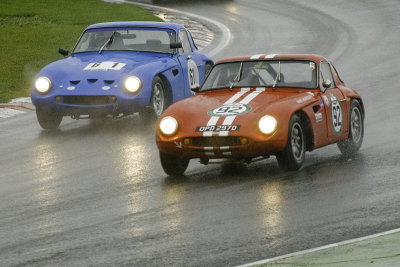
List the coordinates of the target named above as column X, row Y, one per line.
column 263, row 73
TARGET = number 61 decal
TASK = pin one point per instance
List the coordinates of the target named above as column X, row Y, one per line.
column 193, row 74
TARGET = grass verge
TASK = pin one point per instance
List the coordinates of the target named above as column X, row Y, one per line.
column 32, row 31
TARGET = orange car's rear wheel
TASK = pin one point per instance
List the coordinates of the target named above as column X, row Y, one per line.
column 292, row 157
column 173, row 165
column 352, row 144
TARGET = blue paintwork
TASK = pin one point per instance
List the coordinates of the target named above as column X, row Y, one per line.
column 66, row 72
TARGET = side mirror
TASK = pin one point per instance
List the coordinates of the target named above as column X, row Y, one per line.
column 63, row 52
column 175, row 45
column 326, row 84
column 195, row 89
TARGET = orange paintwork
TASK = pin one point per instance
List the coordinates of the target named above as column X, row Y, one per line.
column 281, row 103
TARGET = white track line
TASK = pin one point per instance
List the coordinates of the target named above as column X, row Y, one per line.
column 321, row 248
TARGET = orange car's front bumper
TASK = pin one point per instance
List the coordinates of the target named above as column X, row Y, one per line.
column 215, row 147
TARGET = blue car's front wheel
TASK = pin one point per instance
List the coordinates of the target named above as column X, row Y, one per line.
column 160, row 100
column 48, row 119
column 159, row 96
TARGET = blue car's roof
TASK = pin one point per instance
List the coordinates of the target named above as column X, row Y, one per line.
column 118, row 24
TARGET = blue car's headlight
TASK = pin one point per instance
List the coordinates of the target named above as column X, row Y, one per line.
column 42, row 85
column 267, row 124
column 132, row 84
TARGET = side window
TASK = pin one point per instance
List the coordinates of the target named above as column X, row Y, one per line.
column 186, row 47
column 326, row 74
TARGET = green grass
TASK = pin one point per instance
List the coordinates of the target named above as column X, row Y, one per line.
column 32, row 31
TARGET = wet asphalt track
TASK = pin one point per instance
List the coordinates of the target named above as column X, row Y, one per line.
column 95, row 193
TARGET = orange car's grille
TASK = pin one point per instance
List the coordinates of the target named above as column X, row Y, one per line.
column 216, row 141
column 86, row 100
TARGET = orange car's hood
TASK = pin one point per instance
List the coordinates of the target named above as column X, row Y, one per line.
column 241, row 107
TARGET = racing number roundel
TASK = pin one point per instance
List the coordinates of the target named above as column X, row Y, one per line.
column 193, row 74
column 337, row 115
column 233, row 109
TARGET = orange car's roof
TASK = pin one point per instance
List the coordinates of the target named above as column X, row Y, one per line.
column 312, row 57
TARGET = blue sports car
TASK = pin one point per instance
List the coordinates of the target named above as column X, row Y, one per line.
column 117, row 69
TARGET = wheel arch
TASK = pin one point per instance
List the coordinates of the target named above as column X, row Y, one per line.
column 308, row 133
column 361, row 104
column 168, row 87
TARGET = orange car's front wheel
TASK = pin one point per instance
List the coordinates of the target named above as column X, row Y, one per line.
column 173, row 165
column 292, row 157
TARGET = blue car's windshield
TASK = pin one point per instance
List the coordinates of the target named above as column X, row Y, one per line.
column 262, row 73
column 127, row 39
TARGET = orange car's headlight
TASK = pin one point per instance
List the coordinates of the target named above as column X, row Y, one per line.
column 168, row 126
column 267, row 124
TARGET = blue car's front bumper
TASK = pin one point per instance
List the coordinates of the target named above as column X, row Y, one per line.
column 76, row 105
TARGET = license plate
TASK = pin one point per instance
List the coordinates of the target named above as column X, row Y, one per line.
column 217, row 128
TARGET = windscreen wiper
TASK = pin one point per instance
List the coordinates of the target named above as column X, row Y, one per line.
column 108, row 42
column 238, row 76
column 278, row 76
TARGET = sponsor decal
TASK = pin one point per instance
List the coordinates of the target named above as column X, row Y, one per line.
column 318, row 116
column 326, row 100
column 217, row 128
column 106, row 65
column 233, row 109
column 336, row 115
column 305, row 98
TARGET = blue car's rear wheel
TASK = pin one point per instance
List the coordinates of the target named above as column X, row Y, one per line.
column 48, row 119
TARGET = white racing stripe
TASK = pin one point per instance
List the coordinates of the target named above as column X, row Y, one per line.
column 229, row 119
column 256, row 56
column 214, row 119
column 271, row 56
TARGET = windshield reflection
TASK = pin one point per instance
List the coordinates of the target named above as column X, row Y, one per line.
column 128, row 39
column 268, row 73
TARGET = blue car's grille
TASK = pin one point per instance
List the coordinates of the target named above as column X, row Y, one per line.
column 86, row 100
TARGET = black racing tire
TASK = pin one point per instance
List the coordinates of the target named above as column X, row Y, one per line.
column 160, row 97
column 48, row 119
column 352, row 144
column 173, row 165
column 293, row 155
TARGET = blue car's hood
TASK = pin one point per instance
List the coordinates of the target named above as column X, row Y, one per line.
column 107, row 65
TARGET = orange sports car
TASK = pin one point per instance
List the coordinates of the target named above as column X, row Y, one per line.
column 249, row 108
